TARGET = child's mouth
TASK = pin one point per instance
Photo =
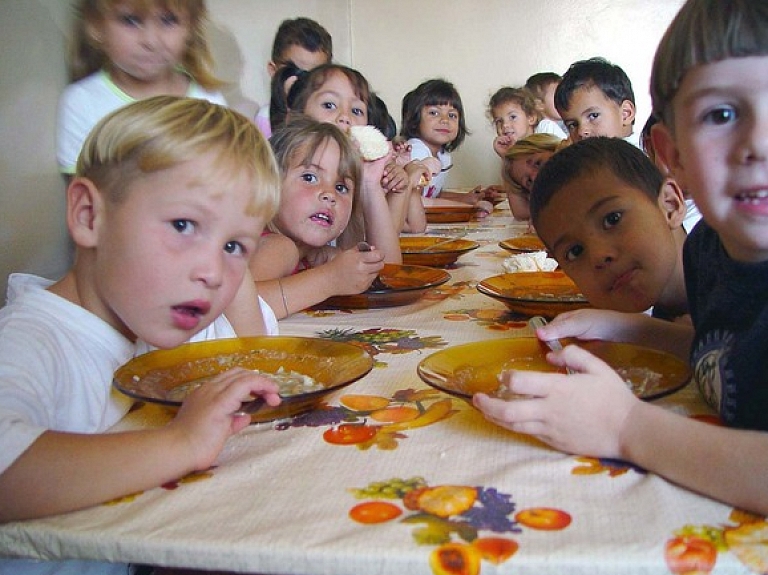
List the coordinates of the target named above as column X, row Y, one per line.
column 756, row 197
column 323, row 218
column 187, row 315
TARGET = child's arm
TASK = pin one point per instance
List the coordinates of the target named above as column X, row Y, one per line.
column 415, row 217
column 564, row 411
column 380, row 231
column 639, row 328
column 62, row 472
column 349, row 272
column 244, row 313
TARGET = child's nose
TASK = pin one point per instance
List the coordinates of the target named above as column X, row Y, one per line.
column 209, row 268
column 755, row 140
column 328, row 196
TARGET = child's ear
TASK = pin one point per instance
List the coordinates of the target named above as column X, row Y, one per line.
column 627, row 112
column 666, row 151
column 271, row 68
column 84, row 212
column 672, row 203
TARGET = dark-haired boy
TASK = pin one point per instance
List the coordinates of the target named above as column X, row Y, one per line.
column 595, row 98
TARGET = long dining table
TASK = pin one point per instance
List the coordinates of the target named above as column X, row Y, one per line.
column 336, row 492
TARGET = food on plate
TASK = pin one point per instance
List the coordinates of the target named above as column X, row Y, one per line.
column 288, row 383
column 371, row 142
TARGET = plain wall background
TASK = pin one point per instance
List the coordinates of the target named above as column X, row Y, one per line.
column 479, row 45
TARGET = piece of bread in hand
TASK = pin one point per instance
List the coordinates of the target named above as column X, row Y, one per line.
column 371, row 142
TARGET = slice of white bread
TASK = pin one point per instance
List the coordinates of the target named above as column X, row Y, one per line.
column 371, row 142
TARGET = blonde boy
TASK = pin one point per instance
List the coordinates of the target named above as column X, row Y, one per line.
column 710, row 86
column 168, row 202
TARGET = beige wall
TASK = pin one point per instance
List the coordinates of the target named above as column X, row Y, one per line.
column 479, row 45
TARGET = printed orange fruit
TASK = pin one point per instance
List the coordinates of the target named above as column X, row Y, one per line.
column 396, row 414
column 364, row 402
column 374, row 512
column 455, row 559
column 495, row 549
column 543, row 518
column 348, row 434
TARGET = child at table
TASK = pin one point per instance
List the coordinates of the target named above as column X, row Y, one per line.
column 340, row 95
column 614, row 225
column 709, row 84
column 543, row 85
column 302, row 44
column 126, row 51
column 167, row 203
column 434, row 126
column 515, row 115
column 522, row 163
column 296, row 265
column 595, row 98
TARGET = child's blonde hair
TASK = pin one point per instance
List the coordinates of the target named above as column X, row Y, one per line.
column 160, row 132
column 533, row 144
column 297, row 142
column 87, row 56
column 703, row 32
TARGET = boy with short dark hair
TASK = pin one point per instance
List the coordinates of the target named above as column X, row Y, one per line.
column 710, row 86
column 302, row 44
column 595, row 98
column 614, row 225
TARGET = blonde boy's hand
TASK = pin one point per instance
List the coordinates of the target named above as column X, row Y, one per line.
column 205, row 419
column 561, row 410
column 354, row 271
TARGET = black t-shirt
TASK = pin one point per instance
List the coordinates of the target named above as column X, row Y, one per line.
column 728, row 301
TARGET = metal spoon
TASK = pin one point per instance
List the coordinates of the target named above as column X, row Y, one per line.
column 440, row 243
column 553, row 344
column 377, row 284
column 250, row 407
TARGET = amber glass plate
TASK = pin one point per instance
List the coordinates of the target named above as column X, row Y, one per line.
column 418, row 250
column 464, row 370
column 167, row 376
column 397, row 285
column 524, row 243
column 534, row 293
column 448, row 214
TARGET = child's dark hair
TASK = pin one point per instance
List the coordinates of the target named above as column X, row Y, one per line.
column 537, row 83
column 278, row 105
column 303, row 32
column 703, row 32
column 378, row 115
column 609, row 78
column 307, row 84
column 436, row 92
column 627, row 162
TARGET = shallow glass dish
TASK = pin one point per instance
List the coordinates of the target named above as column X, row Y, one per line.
column 524, row 243
column 397, row 285
column 534, row 293
column 167, row 376
column 418, row 250
column 449, row 214
column 464, row 370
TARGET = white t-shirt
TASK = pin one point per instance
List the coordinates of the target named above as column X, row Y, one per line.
column 56, row 365
column 263, row 121
column 547, row 126
column 419, row 151
column 85, row 102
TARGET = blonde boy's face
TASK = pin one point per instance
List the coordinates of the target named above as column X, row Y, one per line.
column 509, row 119
column 316, row 201
column 612, row 240
column 524, row 169
column 592, row 113
column 719, row 151
column 171, row 256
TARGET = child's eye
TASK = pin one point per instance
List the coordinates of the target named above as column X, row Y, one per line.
column 453, row 115
column 342, row 189
column 359, row 112
column 721, row 115
column 183, row 226
column 233, row 247
column 612, row 219
column 328, row 106
column 432, row 112
column 571, row 126
column 129, row 20
column 309, row 177
column 169, row 19
column 573, row 252
column 593, row 115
